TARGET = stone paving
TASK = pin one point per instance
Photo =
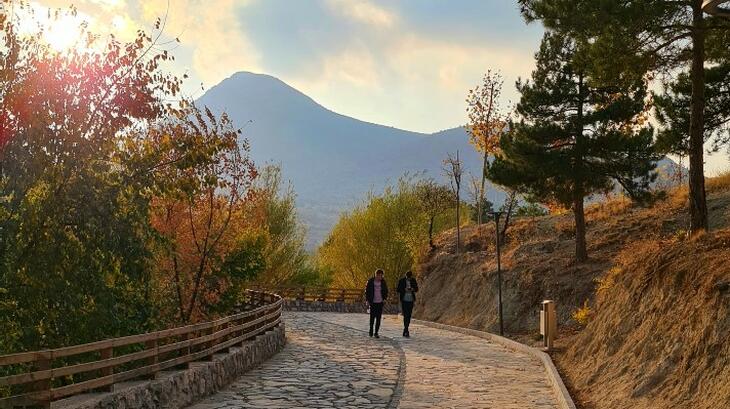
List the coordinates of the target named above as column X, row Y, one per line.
column 329, row 361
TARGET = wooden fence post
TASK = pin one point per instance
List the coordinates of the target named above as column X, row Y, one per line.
column 209, row 344
column 43, row 386
column 107, row 353
column 153, row 360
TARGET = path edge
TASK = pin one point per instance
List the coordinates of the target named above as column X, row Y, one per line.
column 556, row 382
column 176, row 389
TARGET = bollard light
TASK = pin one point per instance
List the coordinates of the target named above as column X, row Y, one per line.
column 548, row 323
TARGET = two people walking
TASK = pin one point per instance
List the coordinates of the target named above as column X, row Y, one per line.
column 376, row 292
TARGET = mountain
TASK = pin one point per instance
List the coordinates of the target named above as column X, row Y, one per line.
column 333, row 160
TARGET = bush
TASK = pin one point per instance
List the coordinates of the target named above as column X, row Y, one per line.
column 583, row 315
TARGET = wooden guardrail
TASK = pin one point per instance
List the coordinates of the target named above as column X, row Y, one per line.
column 346, row 295
column 53, row 374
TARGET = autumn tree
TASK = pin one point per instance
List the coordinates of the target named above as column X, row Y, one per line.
column 574, row 138
column 74, row 235
column 630, row 39
column 204, row 188
column 486, row 124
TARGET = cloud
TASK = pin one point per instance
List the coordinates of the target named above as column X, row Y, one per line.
column 354, row 65
column 408, row 64
column 217, row 42
column 364, row 12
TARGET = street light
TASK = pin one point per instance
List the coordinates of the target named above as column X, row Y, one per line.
column 717, row 7
column 499, row 270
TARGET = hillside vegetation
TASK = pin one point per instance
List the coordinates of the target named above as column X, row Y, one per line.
column 649, row 278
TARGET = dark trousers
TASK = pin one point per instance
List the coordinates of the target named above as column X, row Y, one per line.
column 376, row 314
column 407, row 308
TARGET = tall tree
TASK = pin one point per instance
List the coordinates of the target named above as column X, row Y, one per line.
column 486, row 124
column 632, row 38
column 672, row 108
column 453, row 170
column 574, row 138
column 74, row 234
column 204, row 194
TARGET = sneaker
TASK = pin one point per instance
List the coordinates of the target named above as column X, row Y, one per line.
column 376, row 335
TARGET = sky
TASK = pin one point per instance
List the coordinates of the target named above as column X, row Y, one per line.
column 402, row 63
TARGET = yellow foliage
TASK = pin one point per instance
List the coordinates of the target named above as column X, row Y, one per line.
column 584, row 314
column 605, row 283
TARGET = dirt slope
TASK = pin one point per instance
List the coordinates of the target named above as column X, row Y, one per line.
column 538, row 263
column 660, row 337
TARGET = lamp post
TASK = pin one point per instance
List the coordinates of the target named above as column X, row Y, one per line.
column 499, row 271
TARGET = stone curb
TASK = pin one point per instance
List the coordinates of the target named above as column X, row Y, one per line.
column 559, row 389
column 180, row 388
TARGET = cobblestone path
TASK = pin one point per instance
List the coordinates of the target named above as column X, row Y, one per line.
column 329, row 361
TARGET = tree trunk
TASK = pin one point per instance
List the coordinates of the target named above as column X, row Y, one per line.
column 581, row 252
column 697, row 196
column 458, row 219
column 481, row 191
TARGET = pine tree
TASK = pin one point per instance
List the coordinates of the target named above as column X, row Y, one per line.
column 632, row 38
column 673, row 114
column 574, row 138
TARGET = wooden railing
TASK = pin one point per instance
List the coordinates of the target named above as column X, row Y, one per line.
column 49, row 375
column 320, row 294
column 347, row 295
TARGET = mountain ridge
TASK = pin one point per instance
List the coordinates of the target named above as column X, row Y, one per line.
column 333, row 160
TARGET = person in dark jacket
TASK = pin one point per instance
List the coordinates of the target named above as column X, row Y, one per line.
column 376, row 292
column 407, row 289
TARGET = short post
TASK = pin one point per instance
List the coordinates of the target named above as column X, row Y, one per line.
column 107, row 353
column 43, row 386
column 210, row 344
column 154, row 359
column 548, row 324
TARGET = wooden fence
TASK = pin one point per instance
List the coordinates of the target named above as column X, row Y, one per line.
column 346, row 295
column 320, row 294
column 53, row 374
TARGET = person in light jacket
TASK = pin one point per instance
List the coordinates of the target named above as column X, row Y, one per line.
column 407, row 289
column 376, row 292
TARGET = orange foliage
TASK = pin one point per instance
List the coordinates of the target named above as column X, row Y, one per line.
column 205, row 175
